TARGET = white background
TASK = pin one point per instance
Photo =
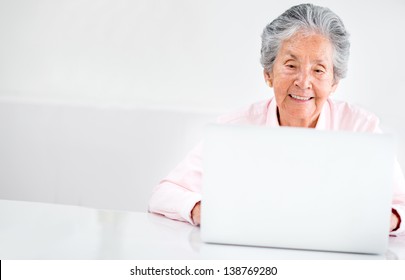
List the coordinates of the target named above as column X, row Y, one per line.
column 297, row 269
column 193, row 55
column 179, row 55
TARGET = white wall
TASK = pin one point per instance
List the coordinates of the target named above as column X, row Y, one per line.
column 106, row 157
column 184, row 55
column 201, row 55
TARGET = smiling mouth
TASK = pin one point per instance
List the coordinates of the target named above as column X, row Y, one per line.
column 300, row 97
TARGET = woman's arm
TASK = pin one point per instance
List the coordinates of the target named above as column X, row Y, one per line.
column 397, row 226
column 395, row 220
column 398, row 202
column 177, row 194
column 195, row 214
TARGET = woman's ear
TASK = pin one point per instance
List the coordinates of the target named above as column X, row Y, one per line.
column 268, row 78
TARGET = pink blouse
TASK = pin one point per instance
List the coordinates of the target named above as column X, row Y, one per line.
column 176, row 195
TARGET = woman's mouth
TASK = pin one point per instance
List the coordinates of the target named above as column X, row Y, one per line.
column 301, row 98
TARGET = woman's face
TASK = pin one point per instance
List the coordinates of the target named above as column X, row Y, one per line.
column 302, row 78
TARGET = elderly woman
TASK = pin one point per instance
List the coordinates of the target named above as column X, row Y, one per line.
column 304, row 55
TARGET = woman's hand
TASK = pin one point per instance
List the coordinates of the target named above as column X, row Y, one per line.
column 394, row 221
column 195, row 213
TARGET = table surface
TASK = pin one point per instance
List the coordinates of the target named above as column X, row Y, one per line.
column 32, row 230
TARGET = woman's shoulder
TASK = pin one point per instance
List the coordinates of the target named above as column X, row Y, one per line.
column 352, row 117
column 255, row 113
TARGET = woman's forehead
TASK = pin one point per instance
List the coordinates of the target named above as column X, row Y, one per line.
column 314, row 46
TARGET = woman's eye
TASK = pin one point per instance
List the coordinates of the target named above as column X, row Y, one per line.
column 290, row 66
column 319, row 71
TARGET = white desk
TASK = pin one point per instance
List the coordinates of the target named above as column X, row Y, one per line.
column 30, row 230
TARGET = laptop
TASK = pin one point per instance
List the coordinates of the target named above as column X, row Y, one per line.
column 297, row 188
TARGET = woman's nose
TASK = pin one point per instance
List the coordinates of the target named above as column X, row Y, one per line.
column 303, row 80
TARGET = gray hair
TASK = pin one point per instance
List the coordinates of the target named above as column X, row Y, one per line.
column 307, row 18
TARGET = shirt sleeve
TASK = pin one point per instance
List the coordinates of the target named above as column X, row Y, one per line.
column 176, row 195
